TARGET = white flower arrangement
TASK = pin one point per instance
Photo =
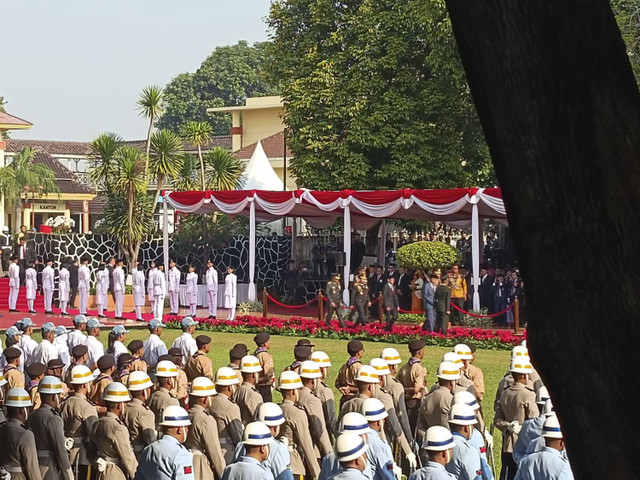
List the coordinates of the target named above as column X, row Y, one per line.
column 60, row 224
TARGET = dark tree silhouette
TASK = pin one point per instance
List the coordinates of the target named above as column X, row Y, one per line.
column 561, row 113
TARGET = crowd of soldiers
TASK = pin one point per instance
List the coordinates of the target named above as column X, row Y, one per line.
column 145, row 411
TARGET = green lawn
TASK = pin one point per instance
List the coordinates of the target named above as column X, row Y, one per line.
column 492, row 362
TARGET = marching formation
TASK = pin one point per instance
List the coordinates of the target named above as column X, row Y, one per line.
column 140, row 410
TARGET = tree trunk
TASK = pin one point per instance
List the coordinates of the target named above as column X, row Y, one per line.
column 204, row 185
column 146, row 159
column 560, row 110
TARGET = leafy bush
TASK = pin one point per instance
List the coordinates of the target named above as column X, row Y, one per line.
column 477, row 322
column 427, row 255
column 411, row 318
column 246, row 307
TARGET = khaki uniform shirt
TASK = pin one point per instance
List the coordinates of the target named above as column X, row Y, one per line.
column 395, row 388
column 313, row 408
column 204, row 444
column 435, row 408
column 477, row 377
column 413, row 375
column 139, row 365
column 181, row 389
column 158, row 401
column 392, row 429
column 346, row 376
column 249, row 400
column 141, row 423
column 14, row 377
column 296, row 430
column 79, row 414
column 353, row 405
column 48, row 430
column 267, row 375
column 328, row 399
column 504, row 383
column 32, row 388
column 97, row 389
column 18, row 455
column 111, row 438
column 199, row 366
column 230, row 427
column 517, row 403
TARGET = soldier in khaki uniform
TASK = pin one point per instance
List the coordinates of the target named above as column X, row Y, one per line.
column 517, row 403
column 136, row 347
column 166, row 374
column 181, row 388
column 413, row 377
column 107, row 367
column 199, row 365
column 533, row 379
column 301, row 353
column 345, row 382
column 79, row 415
column 226, row 412
column 325, row 394
column 435, row 407
column 138, row 417
column 14, row 377
column 36, row 373
column 18, row 456
column 203, row 434
column 267, row 376
column 475, row 373
column 469, row 371
column 296, row 429
column 310, row 376
column 247, row 397
column 80, row 354
column 367, row 381
column 334, row 301
column 395, row 388
column 48, row 430
column 116, row 460
column 236, row 354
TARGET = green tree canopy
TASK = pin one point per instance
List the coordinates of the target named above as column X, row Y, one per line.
column 427, row 255
column 628, row 17
column 229, row 75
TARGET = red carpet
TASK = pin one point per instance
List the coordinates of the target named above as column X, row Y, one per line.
column 22, row 297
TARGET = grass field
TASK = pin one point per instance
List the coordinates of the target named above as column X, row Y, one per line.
column 492, row 362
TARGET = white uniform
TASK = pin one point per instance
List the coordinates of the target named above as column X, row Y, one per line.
column 63, row 289
column 76, row 337
column 152, row 272
column 138, row 292
column 118, row 288
column 14, row 284
column 102, row 290
column 230, row 294
column 187, row 344
column 60, row 342
column 154, row 348
column 192, row 292
column 212, row 291
column 174, row 289
column 159, row 292
column 44, row 352
column 118, row 349
column 84, row 280
column 96, row 350
column 48, row 277
column 31, row 282
column 27, row 345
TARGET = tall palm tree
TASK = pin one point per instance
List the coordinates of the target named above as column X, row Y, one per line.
column 149, row 105
column 164, row 162
column 223, row 171
column 23, row 175
column 198, row 134
column 103, row 152
column 187, row 178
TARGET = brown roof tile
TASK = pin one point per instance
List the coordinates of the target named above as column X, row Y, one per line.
column 67, row 182
column 8, row 119
column 273, row 147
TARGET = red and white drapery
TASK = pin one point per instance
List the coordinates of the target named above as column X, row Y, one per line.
column 359, row 209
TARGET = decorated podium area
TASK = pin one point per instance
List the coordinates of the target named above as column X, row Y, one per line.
column 359, row 210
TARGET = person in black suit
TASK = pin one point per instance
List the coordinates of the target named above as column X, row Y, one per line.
column 376, row 284
column 486, row 289
column 390, row 302
column 358, row 249
column 500, row 294
column 404, row 290
column 290, row 278
column 111, row 264
column 73, row 281
column 25, row 256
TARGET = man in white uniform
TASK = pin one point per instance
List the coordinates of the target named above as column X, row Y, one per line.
column 138, row 290
column 212, row 289
column 96, row 349
column 154, row 347
column 48, row 276
column 63, row 289
column 27, row 344
column 14, row 283
column 186, row 342
column 118, row 288
column 159, row 292
column 84, row 280
column 152, row 272
column 230, row 283
column 174, row 288
column 46, row 351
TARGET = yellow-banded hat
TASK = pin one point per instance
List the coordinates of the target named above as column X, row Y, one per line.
column 250, row 364
column 202, row 387
column 321, row 358
column 166, row 368
column 138, row 381
column 50, row 385
column 521, row 365
column 116, row 393
column 381, row 366
column 81, row 374
column 464, row 351
column 367, row 374
column 453, row 357
column 448, row 371
column 310, row 369
column 391, row 356
column 226, row 376
column 289, row 380
column 17, row 397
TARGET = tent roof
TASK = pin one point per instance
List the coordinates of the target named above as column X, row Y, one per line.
column 320, row 209
column 259, row 174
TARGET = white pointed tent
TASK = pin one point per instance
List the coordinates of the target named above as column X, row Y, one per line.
column 259, row 174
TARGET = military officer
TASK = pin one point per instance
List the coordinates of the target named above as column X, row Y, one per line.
column 296, row 428
column 247, row 397
column 107, row 366
column 379, row 453
column 310, row 375
column 345, row 382
column 13, row 375
column 435, row 407
column 465, row 460
column 138, row 417
column 111, row 438
column 200, row 365
column 334, row 300
column 325, row 394
column 438, row 442
column 352, row 453
column 203, row 440
column 168, row 458
column 79, row 415
column 352, row 422
column 48, row 429
column 166, row 374
column 226, row 412
column 267, row 376
column 413, row 377
column 367, row 381
column 154, row 347
column 360, row 300
column 257, row 440
column 19, row 455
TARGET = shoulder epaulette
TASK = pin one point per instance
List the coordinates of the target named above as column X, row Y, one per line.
column 90, row 402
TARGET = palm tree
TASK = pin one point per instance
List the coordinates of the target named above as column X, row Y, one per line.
column 23, row 175
column 186, row 179
column 103, row 152
column 149, row 105
column 164, row 163
column 223, row 170
column 198, row 134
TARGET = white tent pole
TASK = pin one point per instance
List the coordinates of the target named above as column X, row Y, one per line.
column 382, row 246
column 347, row 253
column 475, row 255
column 165, row 235
column 294, row 235
column 252, row 250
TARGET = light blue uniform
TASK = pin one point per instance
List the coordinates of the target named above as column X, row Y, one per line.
column 477, row 441
column 548, row 463
column 538, row 445
column 465, row 464
column 278, row 461
column 165, row 459
column 380, row 456
column 349, row 474
column 433, row 471
column 331, row 467
column 248, row 468
column 531, row 430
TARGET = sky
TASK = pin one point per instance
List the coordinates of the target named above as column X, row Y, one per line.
column 75, row 68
